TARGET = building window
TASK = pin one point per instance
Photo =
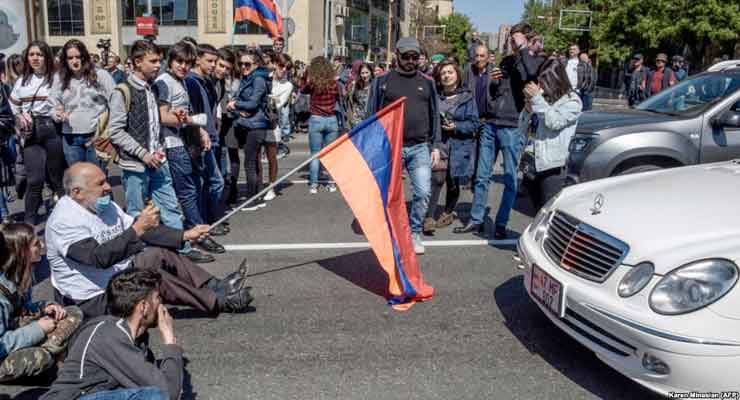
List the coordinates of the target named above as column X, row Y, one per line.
column 249, row 28
column 65, row 18
column 359, row 4
column 356, row 25
column 379, row 28
column 167, row 12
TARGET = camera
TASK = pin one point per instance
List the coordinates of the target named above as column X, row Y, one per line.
column 104, row 45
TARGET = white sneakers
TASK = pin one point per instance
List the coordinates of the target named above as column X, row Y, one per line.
column 418, row 244
column 270, row 195
column 314, row 189
column 332, row 188
column 255, row 207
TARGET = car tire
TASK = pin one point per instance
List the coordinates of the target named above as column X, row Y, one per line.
column 638, row 169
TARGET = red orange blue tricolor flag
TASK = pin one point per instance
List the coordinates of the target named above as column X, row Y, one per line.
column 366, row 165
column 264, row 13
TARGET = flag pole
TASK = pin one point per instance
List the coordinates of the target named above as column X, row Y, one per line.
column 326, row 149
column 277, row 182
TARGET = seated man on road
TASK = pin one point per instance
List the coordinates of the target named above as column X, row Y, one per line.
column 110, row 359
column 89, row 239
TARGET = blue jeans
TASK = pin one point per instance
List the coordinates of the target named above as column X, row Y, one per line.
column 187, row 183
column 284, row 122
column 587, row 99
column 321, row 132
column 212, row 189
column 4, row 212
column 144, row 393
column 157, row 184
column 75, row 150
column 418, row 162
column 510, row 143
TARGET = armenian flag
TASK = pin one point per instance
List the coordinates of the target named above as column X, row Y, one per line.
column 264, row 13
column 366, row 165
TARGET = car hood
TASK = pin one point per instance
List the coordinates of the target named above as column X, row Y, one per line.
column 591, row 122
column 676, row 216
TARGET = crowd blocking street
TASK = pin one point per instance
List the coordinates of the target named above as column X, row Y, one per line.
column 133, row 259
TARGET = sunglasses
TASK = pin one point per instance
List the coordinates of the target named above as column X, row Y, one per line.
column 245, row 64
column 410, row 57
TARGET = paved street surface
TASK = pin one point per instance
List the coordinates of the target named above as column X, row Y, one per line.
column 321, row 329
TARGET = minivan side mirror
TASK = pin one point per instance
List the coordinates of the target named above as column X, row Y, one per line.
column 727, row 118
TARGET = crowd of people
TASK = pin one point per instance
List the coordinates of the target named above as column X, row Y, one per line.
column 180, row 125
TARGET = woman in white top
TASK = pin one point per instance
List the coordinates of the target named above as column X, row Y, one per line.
column 280, row 96
column 79, row 97
column 42, row 146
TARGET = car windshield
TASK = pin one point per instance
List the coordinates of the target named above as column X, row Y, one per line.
column 692, row 96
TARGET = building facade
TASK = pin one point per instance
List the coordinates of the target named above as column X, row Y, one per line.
column 357, row 29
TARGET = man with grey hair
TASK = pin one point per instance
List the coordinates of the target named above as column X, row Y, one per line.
column 89, row 239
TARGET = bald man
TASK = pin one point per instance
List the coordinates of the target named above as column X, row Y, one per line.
column 89, row 239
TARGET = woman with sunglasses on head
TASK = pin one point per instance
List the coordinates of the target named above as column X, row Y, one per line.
column 282, row 88
column 79, row 97
column 33, row 335
column 251, row 126
column 460, row 124
column 43, row 154
column 558, row 108
column 323, row 126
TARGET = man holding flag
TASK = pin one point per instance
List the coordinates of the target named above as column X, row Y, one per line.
column 422, row 130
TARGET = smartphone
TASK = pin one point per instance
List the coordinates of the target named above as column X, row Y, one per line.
column 444, row 118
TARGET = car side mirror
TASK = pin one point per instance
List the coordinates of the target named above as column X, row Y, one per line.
column 728, row 118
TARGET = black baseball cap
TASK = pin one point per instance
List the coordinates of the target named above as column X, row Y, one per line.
column 637, row 56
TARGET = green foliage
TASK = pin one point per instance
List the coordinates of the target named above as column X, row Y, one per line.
column 457, row 26
column 621, row 27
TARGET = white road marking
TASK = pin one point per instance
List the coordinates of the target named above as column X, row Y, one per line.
column 362, row 245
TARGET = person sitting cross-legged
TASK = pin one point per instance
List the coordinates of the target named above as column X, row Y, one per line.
column 33, row 334
column 110, row 358
column 89, row 239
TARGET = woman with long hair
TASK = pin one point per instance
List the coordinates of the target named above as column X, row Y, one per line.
column 558, row 108
column 32, row 334
column 252, row 126
column 358, row 94
column 323, row 126
column 231, row 142
column 13, row 69
column 43, row 154
column 460, row 124
column 280, row 97
column 79, row 97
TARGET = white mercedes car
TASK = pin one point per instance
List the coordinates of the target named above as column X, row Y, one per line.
column 642, row 269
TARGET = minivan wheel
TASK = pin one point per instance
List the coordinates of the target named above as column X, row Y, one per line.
column 639, row 168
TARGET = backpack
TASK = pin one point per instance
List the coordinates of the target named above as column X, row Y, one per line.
column 104, row 148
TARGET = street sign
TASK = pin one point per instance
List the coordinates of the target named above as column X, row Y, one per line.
column 146, row 26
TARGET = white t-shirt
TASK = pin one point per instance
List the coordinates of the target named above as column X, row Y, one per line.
column 172, row 92
column 31, row 97
column 572, row 69
column 70, row 223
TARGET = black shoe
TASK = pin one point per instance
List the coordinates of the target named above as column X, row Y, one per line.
column 232, row 283
column 233, row 192
column 237, row 301
column 210, row 245
column 199, row 258
column 469, row 228
column 219, row 230
column 500, row 233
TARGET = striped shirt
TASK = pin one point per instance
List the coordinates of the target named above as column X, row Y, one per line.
column 31, row 97
column 323, row 103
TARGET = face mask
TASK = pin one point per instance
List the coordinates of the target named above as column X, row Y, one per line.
column 102, row 204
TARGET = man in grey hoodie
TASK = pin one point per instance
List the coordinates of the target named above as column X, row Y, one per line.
column 134, row 129
column 111, row 359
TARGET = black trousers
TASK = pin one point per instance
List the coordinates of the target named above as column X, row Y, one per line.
column 183, row 283
column 254, row 140
column 439, row 179
column 43, row 157
column 545, row 186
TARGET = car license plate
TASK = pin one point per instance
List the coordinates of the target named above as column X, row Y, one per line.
column 547, row 290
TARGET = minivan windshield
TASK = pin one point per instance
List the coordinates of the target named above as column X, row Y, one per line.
column 692, row 96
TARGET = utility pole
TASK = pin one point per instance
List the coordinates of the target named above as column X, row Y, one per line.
column 327, row 27
column 390, row 31
column 285, row 29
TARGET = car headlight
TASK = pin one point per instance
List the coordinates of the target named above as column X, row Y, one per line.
column 579, row 143
column 636, row 279
column 541, row 220
column 693, row 286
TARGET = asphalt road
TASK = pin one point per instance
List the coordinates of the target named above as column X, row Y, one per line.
column 321, row 329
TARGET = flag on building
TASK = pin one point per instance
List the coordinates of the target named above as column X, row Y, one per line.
column 366, row 165
column 264, row 13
